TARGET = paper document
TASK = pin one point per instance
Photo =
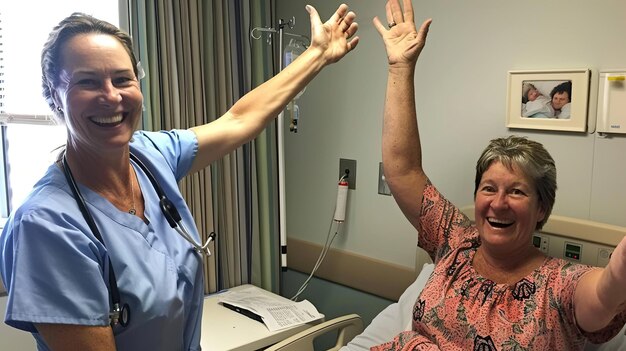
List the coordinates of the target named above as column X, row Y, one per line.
column 275, row 311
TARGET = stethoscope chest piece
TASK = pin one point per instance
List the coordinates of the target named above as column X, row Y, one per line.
column 125, row 315
column 119, row 315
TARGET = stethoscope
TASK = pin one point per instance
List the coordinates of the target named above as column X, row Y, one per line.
column 120, row 313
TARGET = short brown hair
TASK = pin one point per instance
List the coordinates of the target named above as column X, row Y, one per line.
column 532, row 158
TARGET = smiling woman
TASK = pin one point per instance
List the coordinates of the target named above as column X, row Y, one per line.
column 30, row 136
column 102, row 89
column 499, row 289
column 109, row 213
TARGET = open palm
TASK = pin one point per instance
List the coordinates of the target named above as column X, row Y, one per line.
column 402, row 41
column 334, row 37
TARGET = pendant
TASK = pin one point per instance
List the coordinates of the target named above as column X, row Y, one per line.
column 132, row 211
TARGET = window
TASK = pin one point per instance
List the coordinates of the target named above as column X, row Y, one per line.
column 29, row 136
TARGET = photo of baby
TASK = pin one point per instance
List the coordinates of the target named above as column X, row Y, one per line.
column 546, row 99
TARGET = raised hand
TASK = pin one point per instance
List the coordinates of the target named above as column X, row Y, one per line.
column 617, row 271
column 600, row 293
column 333, row 38
column 402, row 41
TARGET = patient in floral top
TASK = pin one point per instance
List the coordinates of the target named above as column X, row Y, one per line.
column 491, row 289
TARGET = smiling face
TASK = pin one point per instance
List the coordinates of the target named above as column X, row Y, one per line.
column 559, row 100
column 98, row 92
column 507, row 208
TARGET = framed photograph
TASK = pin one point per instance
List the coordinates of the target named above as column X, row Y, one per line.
column 548, row 99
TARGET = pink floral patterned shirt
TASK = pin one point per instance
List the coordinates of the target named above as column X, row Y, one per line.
column 461, row 310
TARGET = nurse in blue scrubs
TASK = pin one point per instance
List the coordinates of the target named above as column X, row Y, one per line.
column 56, row 267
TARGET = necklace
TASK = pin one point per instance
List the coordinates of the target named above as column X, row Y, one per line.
column 132, row 209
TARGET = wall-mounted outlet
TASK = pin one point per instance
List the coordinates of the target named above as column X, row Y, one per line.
column 383, row 188
column 349, row 166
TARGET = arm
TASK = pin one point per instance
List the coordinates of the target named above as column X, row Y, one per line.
column 600, row 294
column 77, row 337
column 248, row 116
column 401, row 150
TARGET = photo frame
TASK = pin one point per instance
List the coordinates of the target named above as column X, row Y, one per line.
column 548, row 99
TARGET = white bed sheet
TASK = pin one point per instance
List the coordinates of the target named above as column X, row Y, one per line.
column 393, row 319
column 397, row 317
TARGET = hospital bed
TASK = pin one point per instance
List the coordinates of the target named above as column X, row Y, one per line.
column 578, row 240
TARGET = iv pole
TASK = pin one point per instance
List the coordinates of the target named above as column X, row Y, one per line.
column 282, row 204
column 282, row 216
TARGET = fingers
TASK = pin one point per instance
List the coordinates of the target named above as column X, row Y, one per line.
column 396, row 14
column 344, row 20
column 353, row 43
column 314, row 17
column 388, row 12
column 347, row 21
column 339, row 14
column 423, row 32
column 394, row 10
column 352, row 29
column 408, row 11
column 379, row 26
column 336, row 36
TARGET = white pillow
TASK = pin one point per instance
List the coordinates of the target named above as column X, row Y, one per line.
column 394, row 319
column 618, row 343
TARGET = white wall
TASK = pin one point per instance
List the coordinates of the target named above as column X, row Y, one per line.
column 461, row 95
column 11, row 338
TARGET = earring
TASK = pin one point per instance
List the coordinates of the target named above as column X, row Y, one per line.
column 59, row 109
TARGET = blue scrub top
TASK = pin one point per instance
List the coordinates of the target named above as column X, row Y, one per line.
column 56, row 271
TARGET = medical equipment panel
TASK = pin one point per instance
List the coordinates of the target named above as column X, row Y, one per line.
column 572, row 249
column 542, row 242
column 612, row 102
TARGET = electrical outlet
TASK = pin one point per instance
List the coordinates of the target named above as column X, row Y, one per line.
column 383, row 188
column 347, row 165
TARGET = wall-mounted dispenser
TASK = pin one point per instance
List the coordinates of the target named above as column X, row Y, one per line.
column 612, row 102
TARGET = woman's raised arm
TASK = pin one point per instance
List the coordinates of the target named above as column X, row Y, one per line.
column 402, row 154
column 330, row 41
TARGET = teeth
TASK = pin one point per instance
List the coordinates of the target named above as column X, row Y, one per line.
column 108, row 120
column 500, row 221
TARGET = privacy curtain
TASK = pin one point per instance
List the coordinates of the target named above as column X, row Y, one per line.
column 199, row 60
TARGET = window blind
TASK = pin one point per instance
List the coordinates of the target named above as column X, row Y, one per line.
column 1, row 67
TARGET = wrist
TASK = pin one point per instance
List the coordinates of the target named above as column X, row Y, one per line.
column 315, row 57
column 406, row 70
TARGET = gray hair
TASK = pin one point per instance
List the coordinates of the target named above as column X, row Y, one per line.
column 532, row 158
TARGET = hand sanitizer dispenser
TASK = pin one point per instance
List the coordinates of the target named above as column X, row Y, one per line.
column 612, row 102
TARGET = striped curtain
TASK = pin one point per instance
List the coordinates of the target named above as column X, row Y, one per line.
column 199, row 59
